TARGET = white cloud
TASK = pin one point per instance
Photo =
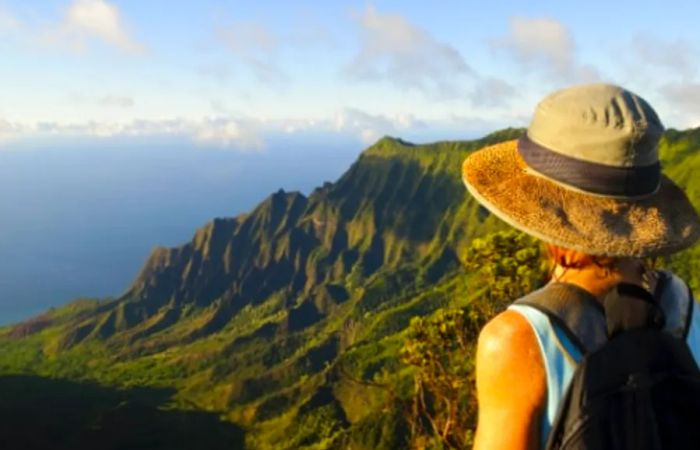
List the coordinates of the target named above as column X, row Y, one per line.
column 545, row 39
column 394, row 50
column 224, row 131
column 218, row 106
column 256, row 47
column 103, row 20
column 227, row 132
column 260, row 48
column 245, row 38
column 90, row 128
column 87, row 20
column 491, row 91
column 678, row 56
column 117, row 101
column 82, row 22
column 370, row 127
column 683, row 99
column 10, row 130
column 238, row 134
column 547, row 45
column 141, row 127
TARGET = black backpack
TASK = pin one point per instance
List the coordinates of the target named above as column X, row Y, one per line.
column 639, row 390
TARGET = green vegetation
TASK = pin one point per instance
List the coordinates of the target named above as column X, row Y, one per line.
column 442, row 347
column 345, row 319
column 681, row 160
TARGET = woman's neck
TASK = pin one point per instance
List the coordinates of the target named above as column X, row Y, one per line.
column 598, row 280
column 593, row 279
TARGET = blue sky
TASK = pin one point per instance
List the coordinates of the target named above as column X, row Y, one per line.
column 234, row 73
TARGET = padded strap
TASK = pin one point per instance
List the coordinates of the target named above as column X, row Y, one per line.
column 574, row 310
column 676, row 299
column 629, row 306
column 689, row 316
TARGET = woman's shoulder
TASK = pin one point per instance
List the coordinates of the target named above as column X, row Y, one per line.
column 510, row 373
column 506, row 332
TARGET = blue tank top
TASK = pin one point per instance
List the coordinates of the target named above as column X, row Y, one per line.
column 560, row 355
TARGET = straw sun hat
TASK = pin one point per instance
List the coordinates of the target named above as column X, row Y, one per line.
column 586, row 176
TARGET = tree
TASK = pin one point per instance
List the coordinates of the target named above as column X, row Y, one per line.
column 510, row 264
column 441, row 348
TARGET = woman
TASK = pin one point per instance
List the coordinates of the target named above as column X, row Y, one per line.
column 586, row 180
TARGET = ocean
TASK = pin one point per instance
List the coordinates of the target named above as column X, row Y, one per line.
column 78, row 219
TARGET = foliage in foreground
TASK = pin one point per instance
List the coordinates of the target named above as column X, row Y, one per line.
column 442, row 347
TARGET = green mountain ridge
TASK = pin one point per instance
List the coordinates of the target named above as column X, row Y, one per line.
column 285, row 320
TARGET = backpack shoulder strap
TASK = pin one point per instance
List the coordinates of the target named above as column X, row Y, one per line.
column 689, row 315
column 574, row 310
column 676, row 300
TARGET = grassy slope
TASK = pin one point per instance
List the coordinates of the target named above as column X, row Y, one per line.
column 680, row 153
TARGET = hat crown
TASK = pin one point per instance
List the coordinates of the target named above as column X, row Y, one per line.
column 598, row 123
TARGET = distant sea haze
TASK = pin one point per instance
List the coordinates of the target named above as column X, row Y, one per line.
column 79, row 219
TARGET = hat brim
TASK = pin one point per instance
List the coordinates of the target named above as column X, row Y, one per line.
column 658, row 224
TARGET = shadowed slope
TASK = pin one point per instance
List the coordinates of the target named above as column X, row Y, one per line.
column 39, row 413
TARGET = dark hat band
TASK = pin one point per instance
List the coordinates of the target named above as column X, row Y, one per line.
column 589, row 176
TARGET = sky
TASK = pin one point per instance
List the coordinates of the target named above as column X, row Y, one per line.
column 237, row 74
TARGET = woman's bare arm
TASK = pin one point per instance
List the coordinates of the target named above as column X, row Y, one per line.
column 511, row 385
